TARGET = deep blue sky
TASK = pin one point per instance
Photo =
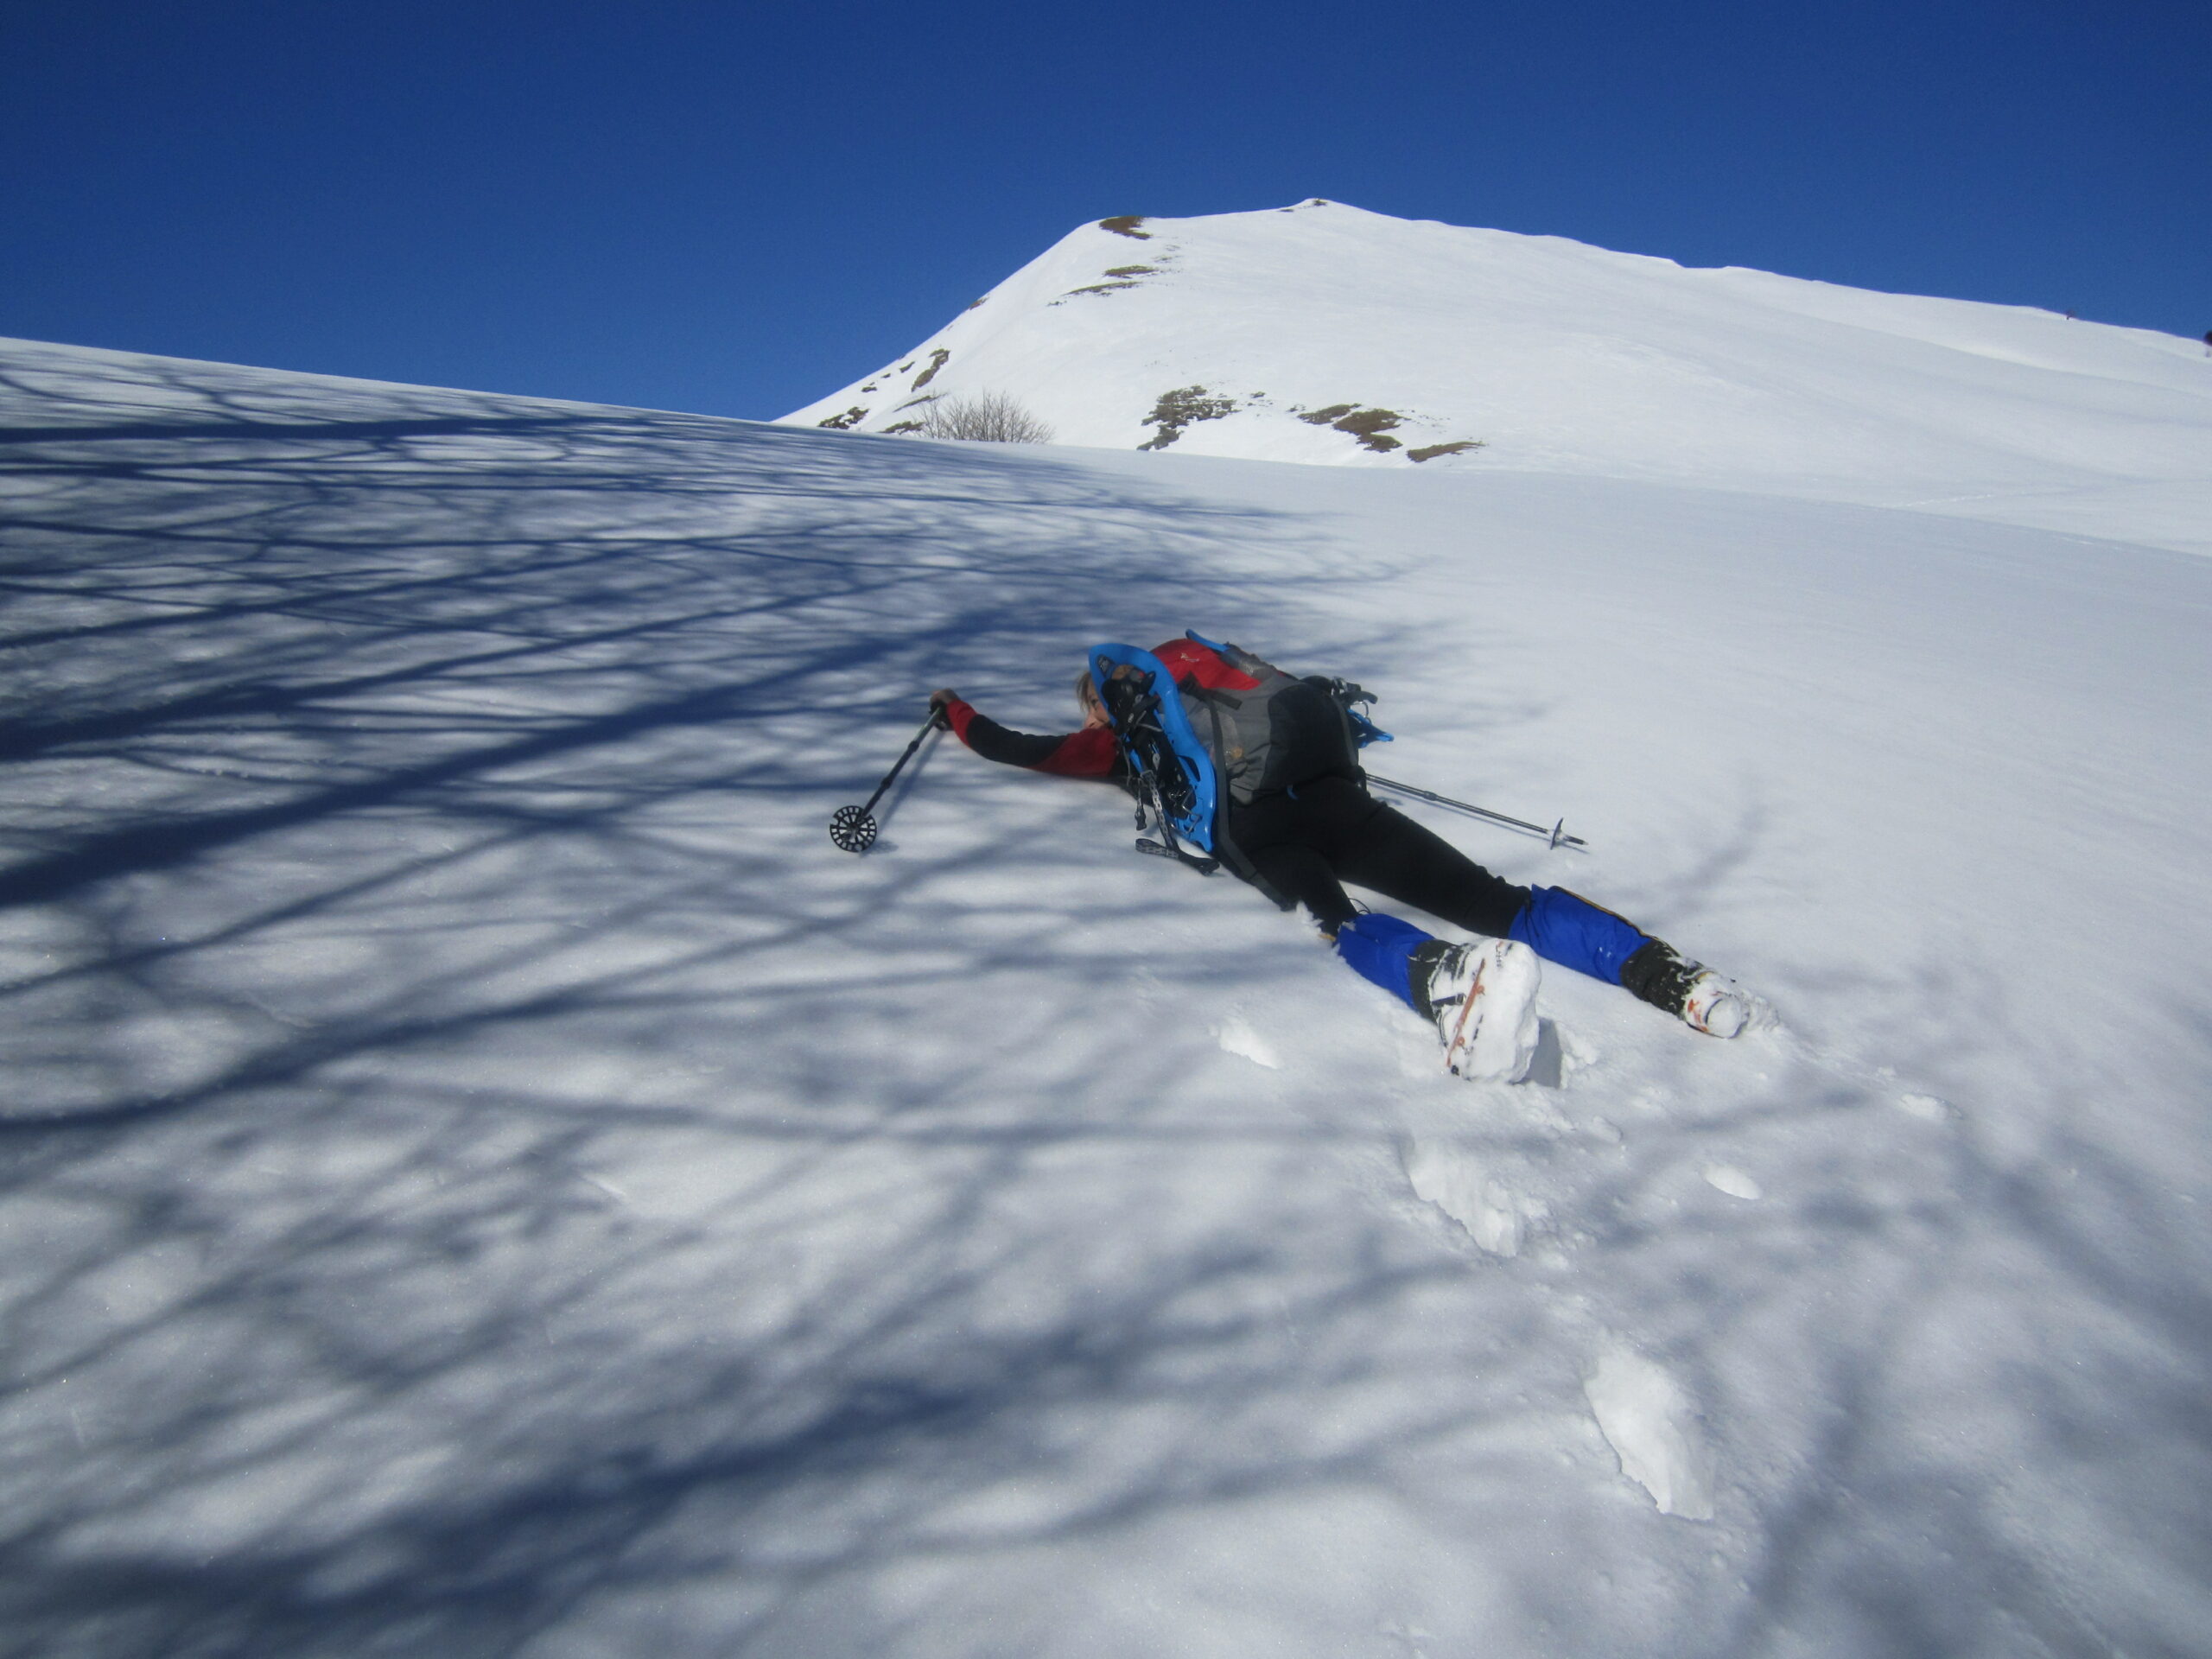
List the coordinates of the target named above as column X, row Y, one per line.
column 734, row 208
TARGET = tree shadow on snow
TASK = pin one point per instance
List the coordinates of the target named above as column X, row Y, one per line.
column 482, row 1174
column 478, row 1163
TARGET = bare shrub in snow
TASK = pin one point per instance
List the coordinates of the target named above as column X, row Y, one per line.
column 987, row 417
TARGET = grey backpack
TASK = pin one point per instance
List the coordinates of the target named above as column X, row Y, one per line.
column 1266, row 730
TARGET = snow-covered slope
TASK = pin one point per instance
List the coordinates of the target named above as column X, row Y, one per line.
column 1559, row 357
column 483, row 1176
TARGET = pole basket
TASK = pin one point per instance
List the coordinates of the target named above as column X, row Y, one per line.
column 852, row 828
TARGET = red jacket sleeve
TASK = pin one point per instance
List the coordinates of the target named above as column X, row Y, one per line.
column 1091, row 753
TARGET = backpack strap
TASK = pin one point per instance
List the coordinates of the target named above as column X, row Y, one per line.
column 1224, row 844
column 1189, row 686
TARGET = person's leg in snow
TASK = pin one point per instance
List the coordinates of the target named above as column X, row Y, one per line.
column 1566, row 928
column 1304, row 843
column 1307, row 842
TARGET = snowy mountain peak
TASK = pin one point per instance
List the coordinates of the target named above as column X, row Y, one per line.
column 1323, row 333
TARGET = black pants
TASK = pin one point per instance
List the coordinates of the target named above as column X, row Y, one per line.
column 1307, row 844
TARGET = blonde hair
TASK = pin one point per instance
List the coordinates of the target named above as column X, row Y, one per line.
column 1088, row 700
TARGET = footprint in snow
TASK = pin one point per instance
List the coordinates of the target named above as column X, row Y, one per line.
column 1881, row 1080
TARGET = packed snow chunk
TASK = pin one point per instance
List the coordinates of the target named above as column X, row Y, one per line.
column 1925, row 1106
column 1653, row 1429
column 1736, row 1182
column 1453, row 1179
column 1237, row 1038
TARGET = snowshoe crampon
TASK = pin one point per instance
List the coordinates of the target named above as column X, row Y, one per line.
column 1483, row 996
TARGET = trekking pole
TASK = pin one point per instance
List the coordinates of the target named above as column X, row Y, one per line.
column 1556, row 835
column 854, row 828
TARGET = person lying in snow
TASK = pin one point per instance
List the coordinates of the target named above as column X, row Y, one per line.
column 1298, row 822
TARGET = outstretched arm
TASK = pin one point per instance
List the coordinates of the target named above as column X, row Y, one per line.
column 1091, row 753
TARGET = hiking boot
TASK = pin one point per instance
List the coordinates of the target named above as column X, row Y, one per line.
column 1692, row 992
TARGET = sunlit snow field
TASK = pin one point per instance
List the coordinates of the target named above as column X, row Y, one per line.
column 485, row 1176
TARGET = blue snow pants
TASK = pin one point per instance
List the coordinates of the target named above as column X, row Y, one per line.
column 1558, row 925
